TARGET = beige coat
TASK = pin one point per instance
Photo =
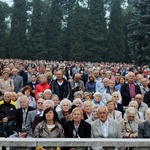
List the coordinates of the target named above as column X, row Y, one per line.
column 9, row 86
column 126, row 128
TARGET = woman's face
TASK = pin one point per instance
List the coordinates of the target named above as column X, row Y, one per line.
column 77, row 116
column 111, row 84
column 49, row 115
column 56, row 100
column 65, row 107
column 88, row 108
column 115, row 98
column 122, row 80
column 97, row 98
column 134, row 106
column 27, row 92
column 14, row 98
column 91, row 79
column 78, row 104
column 47, row 96
column 94, row 113
column 130, row 118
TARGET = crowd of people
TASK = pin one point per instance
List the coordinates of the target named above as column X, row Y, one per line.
column 51, row 99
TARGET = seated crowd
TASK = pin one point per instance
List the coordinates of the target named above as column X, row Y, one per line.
column 58, row 100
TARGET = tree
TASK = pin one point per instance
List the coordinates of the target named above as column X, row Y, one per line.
column 4, row 12
column 53, row 31
column 116, row 33
column 96, row 42
column 77, row 33
column 19, row 29
column 139, row 33
column 37, row 31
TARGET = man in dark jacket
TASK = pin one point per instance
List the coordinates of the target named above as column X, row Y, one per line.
column 129, row 89
column 7, row 113
column 61, row 86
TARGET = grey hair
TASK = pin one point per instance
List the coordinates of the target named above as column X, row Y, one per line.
column 97, row 93
column 23, row 97
column 99, row 107
column 49, row 101
column 130, row 111
column 66, row 101
column 77, row 100
column 47, row 91
column 133, row 102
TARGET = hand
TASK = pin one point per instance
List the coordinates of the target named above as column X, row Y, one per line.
column 72, row 149
column 131, row 136
column 5, row 119
column 22, row 134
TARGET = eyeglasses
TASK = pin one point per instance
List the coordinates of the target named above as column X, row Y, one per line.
column 40, row 103
column 115, row 96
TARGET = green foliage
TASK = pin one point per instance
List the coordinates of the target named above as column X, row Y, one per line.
column 96, row 32
column 37, row 31
column 116, row 35
column 4, row 12
column 53, row 31
column 19, row 29
column 139, row 33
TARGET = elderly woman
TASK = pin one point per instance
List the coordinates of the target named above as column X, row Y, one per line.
column 107, row 95
column 135, row 105
column 87, row 106
column 77, row 127
column 49, row 127
column 77, row 102
column 27, row 91
column 56, row 101
column 65, row 105
column 94, row 115
column 115, row 99
column 97, row 99
column 129, row 125
column 47, row 94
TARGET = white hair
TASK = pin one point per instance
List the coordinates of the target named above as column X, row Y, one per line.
column 65, row 100
column 48, row 101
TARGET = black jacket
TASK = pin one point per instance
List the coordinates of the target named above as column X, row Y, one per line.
column 147, row 98
column 19, row 118
column 66, row 89
column 7, row 110
column 84, row 130
column 126, row 98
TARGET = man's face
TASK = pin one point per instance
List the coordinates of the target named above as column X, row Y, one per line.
column 131, row 77
column 59, row 75
column 7, row 97
column 138, row 98
column 15, row 72
column 24, row 103
column 33, row 78
column 102, row 113
column 96, row 73
column 40, row 104
column 110, row 106
column 144, row 82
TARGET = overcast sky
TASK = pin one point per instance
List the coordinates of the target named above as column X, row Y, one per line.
column 10, row 2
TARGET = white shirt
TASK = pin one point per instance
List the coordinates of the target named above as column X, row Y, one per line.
column 104, row 127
